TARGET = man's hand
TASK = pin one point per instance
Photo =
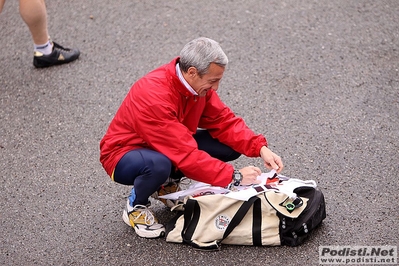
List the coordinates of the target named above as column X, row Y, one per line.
column 271, row 160
column 249, row 175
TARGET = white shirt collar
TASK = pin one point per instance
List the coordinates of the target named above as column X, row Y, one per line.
column 185, row 83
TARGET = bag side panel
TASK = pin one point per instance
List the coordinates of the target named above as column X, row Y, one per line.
column 295, row 231
column 174, row 227
column 242, row 234
column 216, row 213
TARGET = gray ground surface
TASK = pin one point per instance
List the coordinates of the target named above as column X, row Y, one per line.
column 319, row 78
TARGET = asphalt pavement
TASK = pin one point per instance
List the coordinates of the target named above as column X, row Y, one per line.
column 319, row 78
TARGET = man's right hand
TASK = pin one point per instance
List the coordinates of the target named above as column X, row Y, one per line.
column 249, row 175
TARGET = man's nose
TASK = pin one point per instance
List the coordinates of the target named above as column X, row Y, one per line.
column 215, row 87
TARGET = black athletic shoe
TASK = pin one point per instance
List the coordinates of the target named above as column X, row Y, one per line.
column 58, row 56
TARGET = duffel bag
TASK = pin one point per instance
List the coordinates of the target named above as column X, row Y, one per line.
column 270, row 218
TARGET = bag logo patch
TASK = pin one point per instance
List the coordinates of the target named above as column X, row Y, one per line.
column 222, row 221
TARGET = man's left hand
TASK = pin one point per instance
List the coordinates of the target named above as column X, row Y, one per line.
column 271, row 160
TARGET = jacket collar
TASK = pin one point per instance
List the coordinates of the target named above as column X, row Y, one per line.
column 172, row 75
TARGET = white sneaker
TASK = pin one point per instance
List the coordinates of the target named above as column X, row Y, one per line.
column 143, row 221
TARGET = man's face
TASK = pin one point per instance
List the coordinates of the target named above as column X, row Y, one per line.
column 208, row 81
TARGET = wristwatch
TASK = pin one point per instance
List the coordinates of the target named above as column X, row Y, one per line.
column 237, row 178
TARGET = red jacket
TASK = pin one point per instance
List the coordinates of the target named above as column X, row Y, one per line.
column 159, row 113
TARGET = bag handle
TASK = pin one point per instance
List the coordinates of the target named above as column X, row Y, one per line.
column 191, row 218
column 256, row 222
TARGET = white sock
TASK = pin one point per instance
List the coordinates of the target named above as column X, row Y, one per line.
column 46, row 48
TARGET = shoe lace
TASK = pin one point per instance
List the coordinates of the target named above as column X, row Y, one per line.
column 149, row 218
column 56, row 46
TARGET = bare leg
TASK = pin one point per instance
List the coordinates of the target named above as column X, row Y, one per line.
column 2, row 4
column 34, row 13
column 46, row 54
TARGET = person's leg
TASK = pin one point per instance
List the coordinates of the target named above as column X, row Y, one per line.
column 34, row 14
column 146, row 169
column 47, row 53
column 2, row 4
column 214, row 147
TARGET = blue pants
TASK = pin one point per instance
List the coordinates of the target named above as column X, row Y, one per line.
column 147, row 169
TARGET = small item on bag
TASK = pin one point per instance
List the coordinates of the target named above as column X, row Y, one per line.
column 290, row 206
column 283, row 204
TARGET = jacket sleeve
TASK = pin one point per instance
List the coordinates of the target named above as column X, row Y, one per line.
column 230, row 129
column 157, row 124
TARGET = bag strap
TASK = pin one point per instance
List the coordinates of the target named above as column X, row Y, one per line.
column 256, row 222
column 191, row 217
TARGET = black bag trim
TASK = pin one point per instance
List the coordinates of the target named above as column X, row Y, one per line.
column 192, row 213
column 294, row 231
column 257, row 223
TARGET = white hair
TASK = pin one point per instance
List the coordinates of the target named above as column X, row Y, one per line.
column 200, row 53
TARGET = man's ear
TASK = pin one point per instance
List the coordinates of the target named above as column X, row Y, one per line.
column 192, row 72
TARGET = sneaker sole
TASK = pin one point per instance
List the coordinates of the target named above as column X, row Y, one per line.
column 149, row 234
column 125, row 218
column 145, row 234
